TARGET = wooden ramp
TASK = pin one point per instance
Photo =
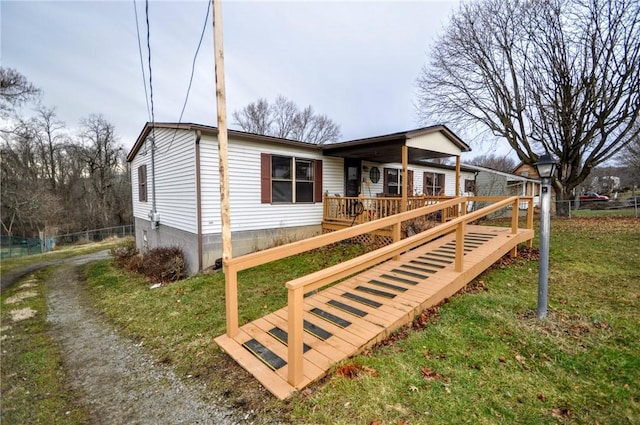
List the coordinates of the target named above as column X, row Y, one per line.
column 352, row 315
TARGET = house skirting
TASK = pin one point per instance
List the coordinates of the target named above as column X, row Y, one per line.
column 243, row 242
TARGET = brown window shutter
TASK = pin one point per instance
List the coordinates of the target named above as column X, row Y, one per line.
column 385, row 181
column 424, row 182
column 442, row 183
column 265, row 178
column 317, row 183
column 410, row 183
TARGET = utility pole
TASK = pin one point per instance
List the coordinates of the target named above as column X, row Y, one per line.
column 221, row 103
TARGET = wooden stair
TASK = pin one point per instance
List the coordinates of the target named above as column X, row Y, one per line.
column 350, row 316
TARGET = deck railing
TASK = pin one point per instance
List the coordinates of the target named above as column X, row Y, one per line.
column 298, row 287
column 358, row 209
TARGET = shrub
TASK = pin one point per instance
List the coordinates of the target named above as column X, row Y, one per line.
column 124, row 254
column 165, row 264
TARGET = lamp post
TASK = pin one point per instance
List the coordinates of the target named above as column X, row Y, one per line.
column 546, row 167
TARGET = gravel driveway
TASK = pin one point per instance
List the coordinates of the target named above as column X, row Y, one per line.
column 118, row 382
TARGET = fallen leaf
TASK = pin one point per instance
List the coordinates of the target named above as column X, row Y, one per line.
column 520, row 358
column 561, row 412
column 542, row 397
column 413, row 388
column 431, row 375
column 376, row 422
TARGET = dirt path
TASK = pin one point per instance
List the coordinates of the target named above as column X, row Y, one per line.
column 119, row 383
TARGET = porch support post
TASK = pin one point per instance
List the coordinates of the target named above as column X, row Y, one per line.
column 530, row 219
column 515, row 216
column 405, row 177
column 458, row 175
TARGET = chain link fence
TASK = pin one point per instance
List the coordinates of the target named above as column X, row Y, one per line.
column 628, row 208
column 12, row 246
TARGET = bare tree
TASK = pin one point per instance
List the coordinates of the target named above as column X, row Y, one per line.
column 102, row 156
column 284, row 119
column 496, row 162
column 27, row 200
column 15, row 90
column 561, row 76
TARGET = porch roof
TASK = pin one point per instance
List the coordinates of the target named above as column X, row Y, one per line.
column 423, row 143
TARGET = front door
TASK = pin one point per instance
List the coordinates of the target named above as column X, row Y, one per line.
column 352, row 177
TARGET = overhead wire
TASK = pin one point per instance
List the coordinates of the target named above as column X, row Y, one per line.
column 193, row 68
column 153, row 119
column 144, row 77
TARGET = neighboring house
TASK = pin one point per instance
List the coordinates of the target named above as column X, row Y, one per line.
column 276, row 185
column 606, row 184
column 490, row 182
column 530, row 172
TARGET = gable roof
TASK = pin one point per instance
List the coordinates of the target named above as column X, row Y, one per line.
column 385, row 148
column 212, row 131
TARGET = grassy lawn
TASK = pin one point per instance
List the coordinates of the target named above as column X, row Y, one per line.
column 621, row 212
column 33, row 389
column 9, row 264
column 482, row 358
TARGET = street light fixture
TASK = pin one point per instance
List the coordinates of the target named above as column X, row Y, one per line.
column 546, row 168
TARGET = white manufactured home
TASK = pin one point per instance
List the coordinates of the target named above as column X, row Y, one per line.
column 279, row 189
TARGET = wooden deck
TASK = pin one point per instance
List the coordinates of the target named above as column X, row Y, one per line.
column 352, row 315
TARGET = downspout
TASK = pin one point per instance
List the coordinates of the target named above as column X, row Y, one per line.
column 198, row 199
column 153, row 215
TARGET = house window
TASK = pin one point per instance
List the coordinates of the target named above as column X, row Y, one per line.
column 291, row 180
column 142, row 183
column 470, row 186
column 392, row 181
column 433, row 184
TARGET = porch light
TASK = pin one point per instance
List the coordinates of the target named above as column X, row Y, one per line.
column 546, row 166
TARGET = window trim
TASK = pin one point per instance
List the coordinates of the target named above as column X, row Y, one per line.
column 266, row 179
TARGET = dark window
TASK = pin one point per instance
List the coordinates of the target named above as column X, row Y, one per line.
column 392, row 181
column 433, row 184
column 304, row 180
column 290, row 180
column 470, row 186
column 281, row 179
column 142, row 183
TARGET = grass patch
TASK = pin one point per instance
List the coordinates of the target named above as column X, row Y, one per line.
column 482, row 359
column 618, row 212
column 33, row 390
column 178, row 322
column 486, row 359
column 64, row 252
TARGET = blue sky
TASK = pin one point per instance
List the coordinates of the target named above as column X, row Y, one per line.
column 355, row 61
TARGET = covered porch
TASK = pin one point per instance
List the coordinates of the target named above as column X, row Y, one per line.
column 378, row 181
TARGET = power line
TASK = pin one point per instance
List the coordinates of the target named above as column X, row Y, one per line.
column 149, row 59
column 193, row 68
column 144, row 79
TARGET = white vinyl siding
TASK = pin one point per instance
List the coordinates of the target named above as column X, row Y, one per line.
column 247, row 211
column 175, row 180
